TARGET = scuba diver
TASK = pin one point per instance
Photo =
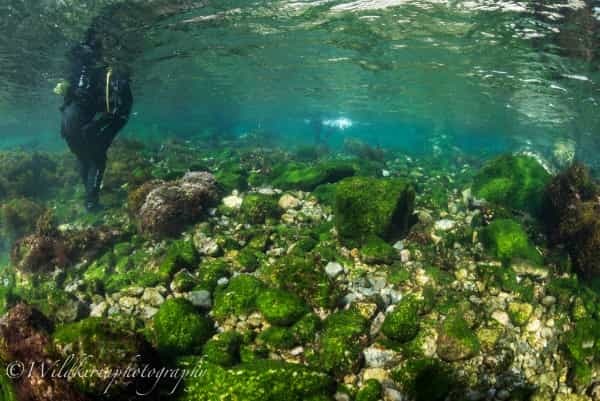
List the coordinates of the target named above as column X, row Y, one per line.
column 97, row 104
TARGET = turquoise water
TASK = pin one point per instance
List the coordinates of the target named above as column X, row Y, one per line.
column 311, row 200
column 403, row 72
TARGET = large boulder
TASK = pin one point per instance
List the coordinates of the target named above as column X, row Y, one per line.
column 572, row 217
column 367, row 207
column 513, row 182
column 258, row 208
column 507, row 240
column 339, row 346
column 170, row 206
column 261, row 380
column 46, row 249
column 307, row 178
column 179, row 329
column 107, row 345
column 24, row 337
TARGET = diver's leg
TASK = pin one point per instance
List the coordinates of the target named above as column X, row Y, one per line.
column 72, row 130
column 94, row 179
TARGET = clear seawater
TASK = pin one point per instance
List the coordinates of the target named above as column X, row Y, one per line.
column 489, row 75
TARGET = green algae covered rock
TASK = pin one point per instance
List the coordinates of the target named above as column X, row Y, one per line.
column 308, row 178
column 325, row 194
column 367, row 207
column 248, row 259
column 111, row 273
column 178, row 328
column 19, row 217
column 456, row 340
column 338, row 348
column 210, row 272
column 258, row 208
column 223, row 349
column 376, row 250
column 181, row 254
column 51, row 300
column 303, row 277
column 277, row 338
column 507, row 240
column 260, row 380
column 583, row 349
column 425, row 379
column 402, row 324
column 370, row 391
column 280, row 307
column 519, row 312
column 238, row 297
column 95, row 343
column 514, row 182
column 284, row 338
column 232, row 177
column 306, row 328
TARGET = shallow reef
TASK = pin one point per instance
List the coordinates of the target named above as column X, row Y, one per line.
column 303, row 274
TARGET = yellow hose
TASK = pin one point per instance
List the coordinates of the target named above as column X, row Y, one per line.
column 108, row 73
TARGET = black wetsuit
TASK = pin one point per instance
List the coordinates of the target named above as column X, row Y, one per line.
column 89, row 124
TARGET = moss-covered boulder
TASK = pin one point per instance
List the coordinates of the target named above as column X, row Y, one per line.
column 507, row 240
column 260, row 380
column 304, row 277
column 304, row 330
column 248, row 259
column 376, row 250
column 181, row 254
column 24, row 337
column 105, row 344
column 308, row 178
column 325, row 194
column 370, row 391
column 277, row 338
column 456, row 340
column 514, row 182
column 572, row 218
column 223, row 349
column 367, row 207
column 280, row 307
column 179, row 329
column 339, row 344
column 238, row 297
column 258, row 208
column 582, row 348
column 402, row 324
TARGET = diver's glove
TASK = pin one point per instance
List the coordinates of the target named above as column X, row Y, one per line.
column 62, row 87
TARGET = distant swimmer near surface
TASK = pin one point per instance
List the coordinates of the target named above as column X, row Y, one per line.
column 97, row 104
